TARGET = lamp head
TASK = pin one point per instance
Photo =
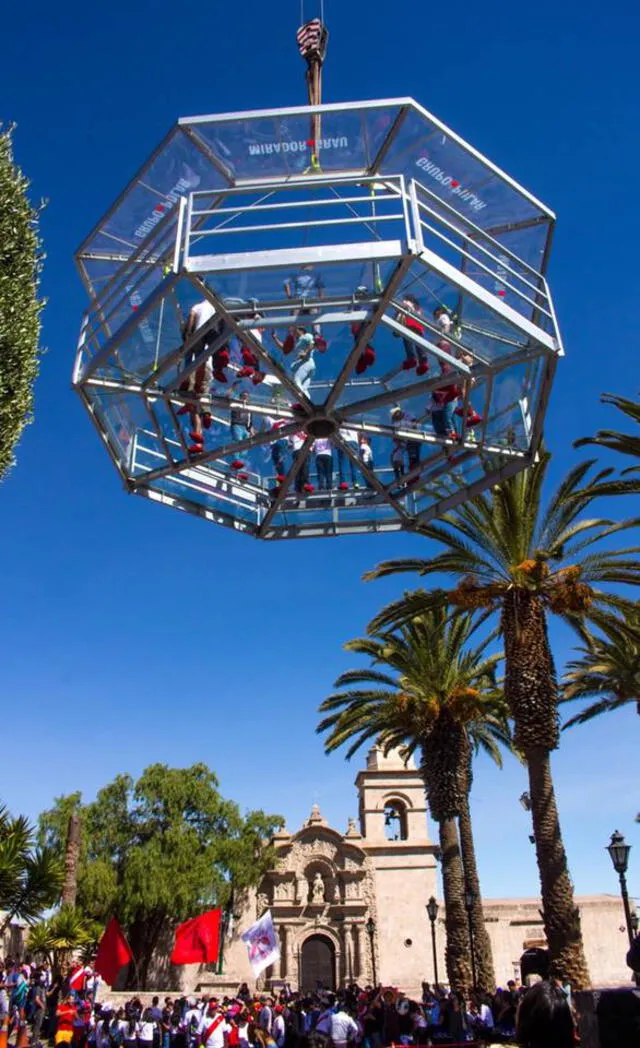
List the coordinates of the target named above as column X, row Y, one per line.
column 619, row 851
column 432, row 908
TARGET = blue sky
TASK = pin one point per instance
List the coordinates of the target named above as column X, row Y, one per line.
column 131, row 634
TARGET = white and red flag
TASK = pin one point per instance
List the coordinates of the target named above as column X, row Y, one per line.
column 262, row 943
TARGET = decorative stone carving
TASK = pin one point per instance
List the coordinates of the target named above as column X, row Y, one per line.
column 352, row 890
column 318, row 888
column 262, row 903
column 284, row 891
column 302, row 890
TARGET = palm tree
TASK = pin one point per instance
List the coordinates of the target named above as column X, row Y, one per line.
column 442, row 699
column 624, row 443
column 30, row 877
column 513, row 557
column 58, row 937
column 609, row 667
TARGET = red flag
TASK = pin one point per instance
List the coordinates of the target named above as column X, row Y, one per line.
column 198, row 940
column 113, row 952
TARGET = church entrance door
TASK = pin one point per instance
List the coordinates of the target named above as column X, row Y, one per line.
column 318, row 964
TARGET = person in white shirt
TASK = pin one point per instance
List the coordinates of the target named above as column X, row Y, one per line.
column 323, row 451
column 145, row 1029
column 191, row 1022
column 366, row 455
column 301, row 482
column 214, row 1029
column 343, row 1028
column 199, row 381
column 350, row 437
column 279, row 1029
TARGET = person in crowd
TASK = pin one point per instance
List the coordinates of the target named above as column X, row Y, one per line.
column 38, row 1007
column 278, row 451
column 130, row 1028
column 214, row 1029
column 365, row 454
column 303, row 365
column 265, row 1015
column 544, row 1018
column 146, row 1029
column 343, row 1027
column 304, row 284
column 199, row 381
column 301, row 483
column 240, row 420
column 350, row 438
column 323, row 451
column 279, row 1029
column 402, row 446
column 65, row 1014
column 442, row 401
column 415, row 354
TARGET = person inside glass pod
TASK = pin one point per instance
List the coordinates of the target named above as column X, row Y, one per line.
column 368, row 355
column 199, row 379
column 304, row 284
column 415, row 355
column 303, row 365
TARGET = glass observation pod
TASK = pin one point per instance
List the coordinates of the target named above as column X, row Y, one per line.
column 318, row 321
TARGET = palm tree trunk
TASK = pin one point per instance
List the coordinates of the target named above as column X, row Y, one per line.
column 532, row 694
column 560, row 913
column 482, row 943
column 457, row 954
column 72, row 851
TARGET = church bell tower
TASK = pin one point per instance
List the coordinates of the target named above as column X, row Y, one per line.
column 393, row 824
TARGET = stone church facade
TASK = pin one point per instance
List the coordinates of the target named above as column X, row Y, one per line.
column 352, row 906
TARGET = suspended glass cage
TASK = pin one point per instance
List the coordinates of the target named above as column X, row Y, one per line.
column 321, row 320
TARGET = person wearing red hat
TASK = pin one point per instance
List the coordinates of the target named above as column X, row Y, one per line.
column 214, row 1029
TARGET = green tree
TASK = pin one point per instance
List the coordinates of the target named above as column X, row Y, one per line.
column 30, row 876
column 20, row 261
column 624, row 443
column 438, row 695
column 608, row 669
column 520, row 559
column 161, row 850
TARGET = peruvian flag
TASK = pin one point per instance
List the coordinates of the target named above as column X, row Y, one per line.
column 198, row 940
column 113, row 953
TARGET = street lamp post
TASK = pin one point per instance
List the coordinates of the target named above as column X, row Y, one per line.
column 468, row 902
column 619, row 851
column 371, row 931
column 432, row 911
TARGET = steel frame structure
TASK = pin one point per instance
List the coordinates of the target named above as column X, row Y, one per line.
column 197, row 243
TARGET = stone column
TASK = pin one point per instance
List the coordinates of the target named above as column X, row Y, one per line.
column 283, row 935
column 345, row 973
column 358, row 967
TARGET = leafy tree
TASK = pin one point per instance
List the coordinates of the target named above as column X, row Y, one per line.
column 437, row 695
column 516, row 558
column 161, row 850
column 20, row 261
column 30, row 877
column 624, row 443
column 608, row 669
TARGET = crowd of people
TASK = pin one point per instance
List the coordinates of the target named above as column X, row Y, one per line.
column 40, row 1006
column 208, row 359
